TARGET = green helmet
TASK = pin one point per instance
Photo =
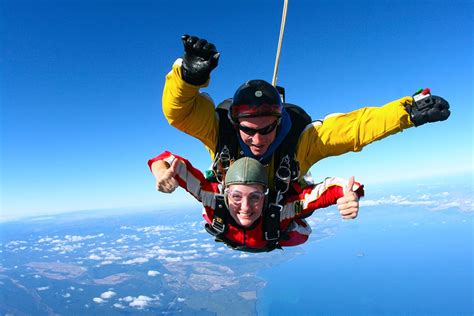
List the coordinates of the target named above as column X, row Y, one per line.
column 246, row 170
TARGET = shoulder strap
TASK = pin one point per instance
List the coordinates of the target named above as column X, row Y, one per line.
column 271, row 220
column 271, row 227
column 220, row 219
column 299, row 120
column 227, row 147
column 227, row 136
column 285, row 155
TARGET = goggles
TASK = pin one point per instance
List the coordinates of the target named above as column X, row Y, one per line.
column 253, row 198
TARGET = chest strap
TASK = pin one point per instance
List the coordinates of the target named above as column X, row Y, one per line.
column 220, row 220
column 270, row 226
column 271, row 222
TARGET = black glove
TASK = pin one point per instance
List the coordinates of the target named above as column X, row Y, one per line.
column 427, row 108
column 200, row 58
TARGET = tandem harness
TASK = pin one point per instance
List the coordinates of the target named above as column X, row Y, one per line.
column 228, row 150
column 271, row 227
column 228, row 147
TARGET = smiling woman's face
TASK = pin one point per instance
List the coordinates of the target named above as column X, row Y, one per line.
column 245, row 203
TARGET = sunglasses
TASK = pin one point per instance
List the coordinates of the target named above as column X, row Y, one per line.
column 262, row 131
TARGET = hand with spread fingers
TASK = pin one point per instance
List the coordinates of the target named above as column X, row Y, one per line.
column 164, row 175
column 200, row 58
column 348, row 205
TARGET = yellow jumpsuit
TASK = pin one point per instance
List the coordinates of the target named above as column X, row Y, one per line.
column 194, row 113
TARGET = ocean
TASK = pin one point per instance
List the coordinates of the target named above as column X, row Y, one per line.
column 392, row 260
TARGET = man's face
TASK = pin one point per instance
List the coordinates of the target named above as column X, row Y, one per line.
column 258, row 142
column 245, row 203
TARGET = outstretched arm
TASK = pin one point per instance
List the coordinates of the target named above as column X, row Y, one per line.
column 322, row 195
column 340, row 133
column 168, row 168
column 183, row 105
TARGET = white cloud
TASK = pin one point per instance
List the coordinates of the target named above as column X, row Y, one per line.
column 107, row 295
column 153, row 273
column 43, row 288
column 119, row 306
column 46, row 239
column 434, row 202
column 396, row 200
column 67, row 295
column 181, row 299
column 155, row 229
column 171, row 255
column 110, row 256
column 105, row 262
column 98, row 300
column 136, row 261
column 170, row 259
column 189, row 240
column 81, row 238
column 126, row 238
column 126, row 299
column 142, row 301
column 94, row 257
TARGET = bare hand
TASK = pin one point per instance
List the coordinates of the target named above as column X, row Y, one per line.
column 165, row 181
column 348, row 205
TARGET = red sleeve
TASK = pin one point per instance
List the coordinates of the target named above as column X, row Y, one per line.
column 188, row 177
column 162, row 156
column 317, row 196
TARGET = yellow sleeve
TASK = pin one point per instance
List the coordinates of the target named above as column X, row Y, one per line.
column 188, row 110
column 341, row 133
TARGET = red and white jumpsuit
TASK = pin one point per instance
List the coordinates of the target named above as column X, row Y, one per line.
column 295, row 207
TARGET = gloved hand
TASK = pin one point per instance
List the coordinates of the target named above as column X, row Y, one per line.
column 200, row 58
column 427, row 109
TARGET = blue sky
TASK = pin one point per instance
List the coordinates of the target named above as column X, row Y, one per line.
column 81, row 85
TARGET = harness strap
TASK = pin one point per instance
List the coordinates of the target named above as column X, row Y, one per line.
column 227, row 133
column 284, row 156
column 236, row 246
column 270, row 225
column 271, row 219
column 220, row 220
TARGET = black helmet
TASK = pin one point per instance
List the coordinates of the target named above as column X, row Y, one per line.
column 255, row 98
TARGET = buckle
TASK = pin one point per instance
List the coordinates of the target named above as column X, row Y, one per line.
column 274, row 238
column 274, row 222
column 218, row 225
column 278, row 206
